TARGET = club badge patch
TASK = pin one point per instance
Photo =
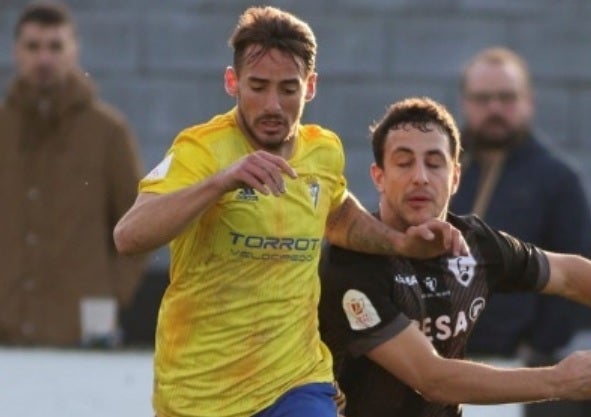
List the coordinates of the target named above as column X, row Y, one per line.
column 159, row 172
column 463, row 269
column 359, row 310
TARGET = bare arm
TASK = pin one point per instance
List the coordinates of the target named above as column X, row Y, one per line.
column 352, row 227
column 411, row 358
column 570, row 277
column 154, row 220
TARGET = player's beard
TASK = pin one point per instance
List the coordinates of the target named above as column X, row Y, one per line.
column 263, row 144
column 480, row 138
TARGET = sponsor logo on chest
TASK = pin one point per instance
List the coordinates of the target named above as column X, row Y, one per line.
column 444, row 327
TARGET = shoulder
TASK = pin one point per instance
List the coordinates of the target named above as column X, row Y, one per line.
column 469, row 223
column 315, row 134
column 108, row 115
column 208, row 133
column 343, row 268
column 337, row 255
column 551, row 161
column 5, row 110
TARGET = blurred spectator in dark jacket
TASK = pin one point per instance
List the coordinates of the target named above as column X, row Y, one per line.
column 68, row 170
column 520, row 185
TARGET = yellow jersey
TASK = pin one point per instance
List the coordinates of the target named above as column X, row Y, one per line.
column 237, row 325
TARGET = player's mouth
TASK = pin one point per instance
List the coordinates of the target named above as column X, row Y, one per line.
column 271, row 126
column 418, row 201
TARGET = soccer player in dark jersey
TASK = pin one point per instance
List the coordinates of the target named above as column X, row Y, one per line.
column 398, row 327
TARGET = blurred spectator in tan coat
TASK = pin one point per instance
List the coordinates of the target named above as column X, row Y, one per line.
column 68, row 170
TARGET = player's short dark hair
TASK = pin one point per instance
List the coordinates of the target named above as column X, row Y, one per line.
column 46, row 13
column 272, row 28
column 497, row 55
column 420, row 113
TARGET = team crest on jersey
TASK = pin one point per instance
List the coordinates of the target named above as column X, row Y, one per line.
column 313, row 189
column 246, row 194
column 359, row 310
column 462, row 268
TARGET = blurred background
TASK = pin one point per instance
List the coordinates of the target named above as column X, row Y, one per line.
column 161, row 63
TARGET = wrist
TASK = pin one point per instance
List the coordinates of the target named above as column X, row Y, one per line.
column 220, row 182
column 398, row 242
column 556, row 383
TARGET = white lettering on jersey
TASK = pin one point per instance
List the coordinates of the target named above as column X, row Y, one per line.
column 445, row 327
column 461, row 323
column 359, row 310
column 426, row 328
column 160, row 170
column 462, row 268
column 442, row 324
column 409, row 280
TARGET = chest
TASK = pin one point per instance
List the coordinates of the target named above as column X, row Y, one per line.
column 444, row 297
column 300, row 212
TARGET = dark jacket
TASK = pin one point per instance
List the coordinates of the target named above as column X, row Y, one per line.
column 68, row 170
column 538, row 198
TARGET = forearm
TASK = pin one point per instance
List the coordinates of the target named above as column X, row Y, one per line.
column 578, row 287
column 570, row 277
column 460, row 381
column 155, row 220
column 352, row 227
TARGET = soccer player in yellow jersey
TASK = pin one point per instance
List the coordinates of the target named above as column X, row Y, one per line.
column 245, row 200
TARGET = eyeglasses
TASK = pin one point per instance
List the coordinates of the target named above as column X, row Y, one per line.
column 484, row 98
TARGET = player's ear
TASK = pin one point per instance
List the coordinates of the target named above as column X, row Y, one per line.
column 377, row 176
column 456, row 175
column 311, row 86
column 231, row 81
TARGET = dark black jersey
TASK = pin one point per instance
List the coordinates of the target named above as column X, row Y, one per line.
column 367, row 300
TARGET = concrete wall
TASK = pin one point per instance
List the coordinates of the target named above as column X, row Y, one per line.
column 161, row 62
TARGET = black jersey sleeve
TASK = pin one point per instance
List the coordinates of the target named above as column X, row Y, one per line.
column 357, row 312
column 523, row 266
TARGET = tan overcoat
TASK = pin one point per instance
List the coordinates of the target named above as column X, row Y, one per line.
column 68, row 171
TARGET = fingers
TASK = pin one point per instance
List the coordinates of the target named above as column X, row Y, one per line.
column 279, row 162
column 462, row 246
column 443, row 235
column 421, row 231
column 266, row 178
column 263, row 172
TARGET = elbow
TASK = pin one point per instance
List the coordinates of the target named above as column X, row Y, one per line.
column 434, row 393
column 436, row 388
column 123, row 239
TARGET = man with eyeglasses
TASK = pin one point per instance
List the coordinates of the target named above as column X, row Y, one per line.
column 68, row 171
column 518, row 184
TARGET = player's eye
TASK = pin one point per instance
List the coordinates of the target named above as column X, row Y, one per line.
column 32, row 46
column 56, row 46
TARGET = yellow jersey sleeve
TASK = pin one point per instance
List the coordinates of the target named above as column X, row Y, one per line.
column 340, row 193
column 187, row 162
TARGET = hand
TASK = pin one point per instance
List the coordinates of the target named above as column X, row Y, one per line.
column 574, row 376
column 431, row 239
column 260, row 170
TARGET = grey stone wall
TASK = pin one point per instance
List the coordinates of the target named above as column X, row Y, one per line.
column 161, row 62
